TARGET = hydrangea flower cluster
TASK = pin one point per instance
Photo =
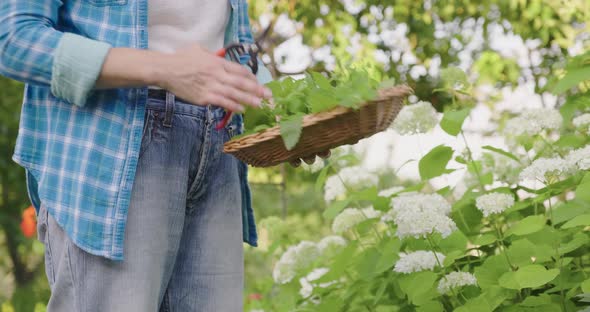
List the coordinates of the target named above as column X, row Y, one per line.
column 544, row 168
column 455, row 280
column 417, row 261
column 418, row 215
column 307, row 284
column 533, row 121
column 582, row 122
column 494, row 203
column 352, row 177
column 350, row 217
column 505, row 169
column 580, row 158
column 331, row 244
column 416, row 118
column 293, row 260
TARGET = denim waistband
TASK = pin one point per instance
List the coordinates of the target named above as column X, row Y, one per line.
column 181, row 107
column 173, row 105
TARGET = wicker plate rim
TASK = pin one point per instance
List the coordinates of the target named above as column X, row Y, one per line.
column 311, row 119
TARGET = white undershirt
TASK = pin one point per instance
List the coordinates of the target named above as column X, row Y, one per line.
column 173, row 24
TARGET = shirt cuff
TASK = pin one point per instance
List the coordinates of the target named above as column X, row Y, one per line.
column 76, row 66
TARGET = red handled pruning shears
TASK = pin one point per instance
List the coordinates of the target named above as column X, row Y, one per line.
column 234, row 51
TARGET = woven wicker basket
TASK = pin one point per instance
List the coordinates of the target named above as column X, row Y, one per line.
column 321, row 131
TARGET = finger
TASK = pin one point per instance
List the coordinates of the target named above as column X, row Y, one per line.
column 309, row 159
column 295, row 163
column 237, row 95
column 247, row 85
column 325, row 154
column 221, row 101
column 238, row 70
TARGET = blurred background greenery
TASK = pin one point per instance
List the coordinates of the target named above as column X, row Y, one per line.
column 499, row 43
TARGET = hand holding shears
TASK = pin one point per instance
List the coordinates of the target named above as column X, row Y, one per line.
column 235, row 52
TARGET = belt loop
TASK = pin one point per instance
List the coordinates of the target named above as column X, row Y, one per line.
column 169, row 109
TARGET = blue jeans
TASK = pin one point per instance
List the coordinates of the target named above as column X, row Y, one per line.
column 183, row 239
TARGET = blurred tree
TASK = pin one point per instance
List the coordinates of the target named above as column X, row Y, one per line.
column 410, row 38
column 13, row 194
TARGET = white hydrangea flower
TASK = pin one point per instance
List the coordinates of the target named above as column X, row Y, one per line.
column 390, row 191
column 494, row 203
column 505, row 169
column 417, row 261
column 416, row 118
column 533, row 121
column 306, row 282
column 418, row 215
column 421, row 223
column 580, row 157
column 294, row 259
column 416, row 201
column 582, row 122
column 455, row 280
column 350, row 217
column 543, row 168
column 352, row 177
column 331, row 243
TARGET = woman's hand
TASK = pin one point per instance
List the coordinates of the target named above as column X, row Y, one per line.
column 194, row 74
column 202, row 77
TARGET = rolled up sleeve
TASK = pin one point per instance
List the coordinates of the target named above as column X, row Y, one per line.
column 76, row 67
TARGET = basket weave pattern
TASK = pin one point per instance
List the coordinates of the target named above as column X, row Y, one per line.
column 321, row 131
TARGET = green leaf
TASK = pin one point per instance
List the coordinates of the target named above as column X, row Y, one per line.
column 488, row 301
column 488, row 273
column 435, row 162
column 430, row 306
column 585, row 286
column 571, row 79
column 452, row 120
column 569, row 210
column 389, row 255
column 320, row 100
column 583, row 189
column 579, row 240
column 530, row 276
column 484, row 239
column 321, row 81
column 367, row 262
column 451, row 257
column 523, row 251
column 455, row 241
column 534, row 301
column 501, row 152
column 291, row 130
column 417, row 285
column 335, row 208
column 454, row 79
column 582, row 220
column 528, row 225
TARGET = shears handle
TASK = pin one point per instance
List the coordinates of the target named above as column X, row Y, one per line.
column 221, row 52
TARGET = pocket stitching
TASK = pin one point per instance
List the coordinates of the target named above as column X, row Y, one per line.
column 146, row 137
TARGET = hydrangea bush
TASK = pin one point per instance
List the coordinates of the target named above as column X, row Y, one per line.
column 517, row 239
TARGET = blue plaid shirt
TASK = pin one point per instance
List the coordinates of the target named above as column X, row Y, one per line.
column 80, row 146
